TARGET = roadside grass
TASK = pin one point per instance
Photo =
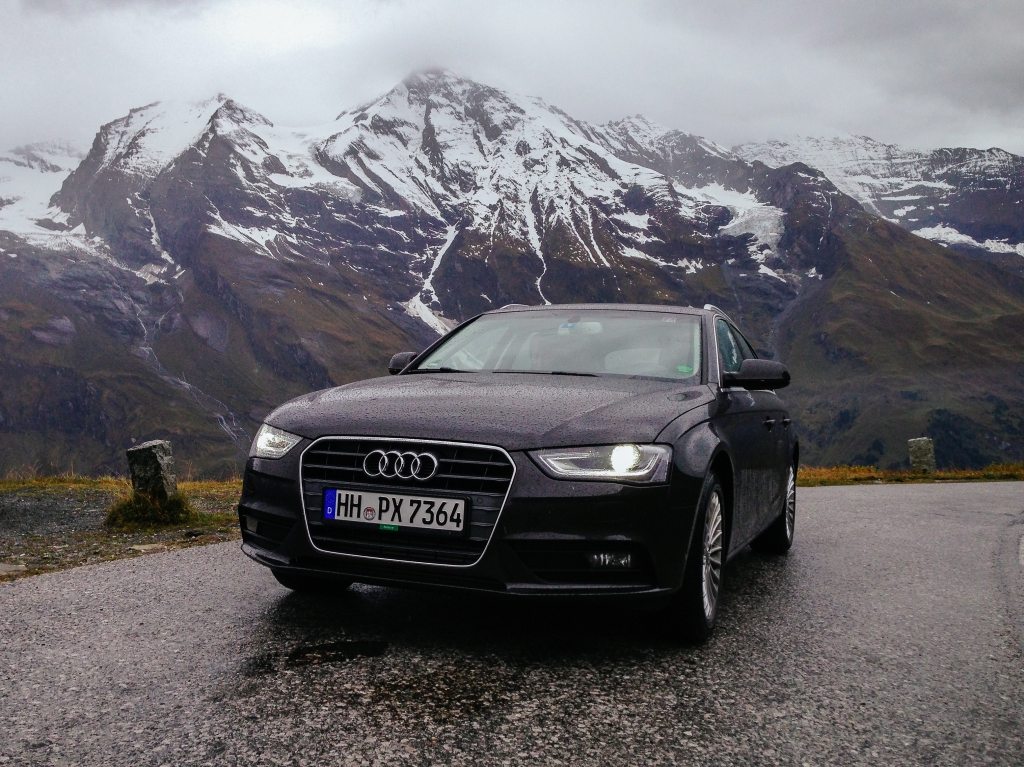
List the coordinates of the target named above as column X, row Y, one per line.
column 21, row 480
column 814, row 476
column 214, row 520
column 211, row 488
column 140, row 510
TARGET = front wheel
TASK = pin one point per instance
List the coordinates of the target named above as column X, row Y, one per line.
column 694, row 608
column 778, row 538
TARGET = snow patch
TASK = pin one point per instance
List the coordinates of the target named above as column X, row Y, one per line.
column 151, row 273
column 428, row 285
column 29, row 177
column 689, row 266
column 534, row 238
column 762, row 269
column 635, row 220
column 415, row 306
column 947, row 235
column 764, row 222
column 259, row 236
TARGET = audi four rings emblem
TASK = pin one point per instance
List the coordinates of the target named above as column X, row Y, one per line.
column 396, row 465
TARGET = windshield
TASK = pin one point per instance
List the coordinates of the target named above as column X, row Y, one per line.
column 598, row 342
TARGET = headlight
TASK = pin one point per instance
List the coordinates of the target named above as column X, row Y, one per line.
column 271, row 442
column 615, row 463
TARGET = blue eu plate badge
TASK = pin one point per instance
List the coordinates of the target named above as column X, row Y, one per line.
column 330, row 503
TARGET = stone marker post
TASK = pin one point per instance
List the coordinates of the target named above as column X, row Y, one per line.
column 151, row 466
column 922, row 455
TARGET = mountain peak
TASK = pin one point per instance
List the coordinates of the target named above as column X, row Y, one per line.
column 230, row 113
column 431, row 76
column 151, row 136
column 638, row 126
column 444, row 85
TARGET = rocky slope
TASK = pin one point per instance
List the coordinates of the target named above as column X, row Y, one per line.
column 968, row 199
column 201, row 264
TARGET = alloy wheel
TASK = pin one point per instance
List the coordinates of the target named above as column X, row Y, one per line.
column 790, row 503
column 712, row 556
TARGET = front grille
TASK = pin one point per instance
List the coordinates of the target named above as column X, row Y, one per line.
column 477, row 473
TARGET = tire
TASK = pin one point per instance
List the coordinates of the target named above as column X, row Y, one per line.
column 694, row 609
column 778, row 538
column 309, row 584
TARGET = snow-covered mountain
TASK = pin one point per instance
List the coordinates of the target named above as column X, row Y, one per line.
column 200, row 264
column 968, row 198
column 435, row 159
column 29, row 176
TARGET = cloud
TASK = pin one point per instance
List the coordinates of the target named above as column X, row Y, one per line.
column 921, row 73
column 80, row 7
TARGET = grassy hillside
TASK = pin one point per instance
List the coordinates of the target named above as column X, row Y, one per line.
column 907, row 341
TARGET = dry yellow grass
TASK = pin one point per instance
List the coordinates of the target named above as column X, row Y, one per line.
column 18, row 480
column 811, row 476
column 212, row 486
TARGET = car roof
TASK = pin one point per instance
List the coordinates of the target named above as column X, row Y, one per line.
column 600, row 307
column 708, row 309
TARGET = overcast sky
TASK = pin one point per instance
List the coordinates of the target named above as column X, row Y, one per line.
column 924, row 73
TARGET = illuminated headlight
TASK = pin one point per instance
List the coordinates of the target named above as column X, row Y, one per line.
column 271, row 442
column 614, row 463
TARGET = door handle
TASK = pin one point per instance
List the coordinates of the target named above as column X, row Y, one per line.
column 786, row 422
column 769, row 423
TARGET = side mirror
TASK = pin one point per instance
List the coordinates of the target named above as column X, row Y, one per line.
column 401, row 361
column 758, row 374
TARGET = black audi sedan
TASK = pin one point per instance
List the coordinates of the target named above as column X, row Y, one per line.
column 576, row 450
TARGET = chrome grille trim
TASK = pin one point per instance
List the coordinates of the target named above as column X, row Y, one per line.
column 416, row 489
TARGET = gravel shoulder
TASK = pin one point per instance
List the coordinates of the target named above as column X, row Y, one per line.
column 47, row 526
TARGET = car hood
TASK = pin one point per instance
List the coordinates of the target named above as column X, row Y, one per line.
column 515, row 411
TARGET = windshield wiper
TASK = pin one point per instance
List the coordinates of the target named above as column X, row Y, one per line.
column 439, row 370
column 548, row 373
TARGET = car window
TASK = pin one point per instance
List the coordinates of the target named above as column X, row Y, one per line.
column 477, row 350
column 594, row 342
column 746, row 350
column 729, row 355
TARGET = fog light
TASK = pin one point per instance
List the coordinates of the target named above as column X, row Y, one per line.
column 251, row 524
column 611, row 559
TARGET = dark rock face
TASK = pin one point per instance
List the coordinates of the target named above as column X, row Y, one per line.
column 151, row 466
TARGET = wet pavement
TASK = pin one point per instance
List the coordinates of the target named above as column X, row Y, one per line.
column 892, row 634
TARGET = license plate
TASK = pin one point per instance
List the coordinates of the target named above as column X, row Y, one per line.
column 389, row 511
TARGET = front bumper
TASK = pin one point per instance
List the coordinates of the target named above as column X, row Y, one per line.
column 542, row 544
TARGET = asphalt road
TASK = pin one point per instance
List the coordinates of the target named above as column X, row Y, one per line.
column 892, row 634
